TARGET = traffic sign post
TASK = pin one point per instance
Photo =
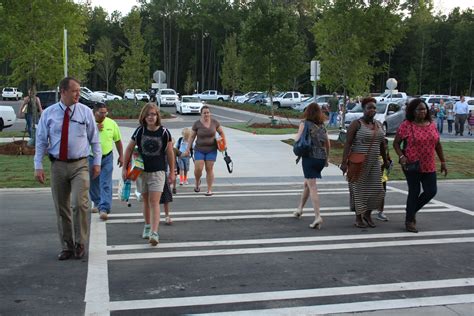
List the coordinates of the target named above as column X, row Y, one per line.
column 315, row 75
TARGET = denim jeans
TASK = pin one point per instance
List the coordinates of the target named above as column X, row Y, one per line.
column 101, row 187
column 29, row 124
column 415, row 200
column 333, row 119
column 440, row 122
column 450, row 126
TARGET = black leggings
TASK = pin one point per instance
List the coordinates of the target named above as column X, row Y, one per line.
column 415, row 200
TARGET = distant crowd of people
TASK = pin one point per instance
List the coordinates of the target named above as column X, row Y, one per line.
column 79, row 143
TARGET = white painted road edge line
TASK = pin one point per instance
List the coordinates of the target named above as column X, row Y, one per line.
column 459, row 209
column 265, row 216
column 284, row 249
column 271, row 210
column 287, row 240
column 97, row 287
column 356, row 307
column 288, row 295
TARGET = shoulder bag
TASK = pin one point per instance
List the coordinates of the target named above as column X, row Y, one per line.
column 302, row 147
column 355, row 161
column 413, row 166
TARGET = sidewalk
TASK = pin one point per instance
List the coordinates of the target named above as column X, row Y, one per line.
column 254, row 156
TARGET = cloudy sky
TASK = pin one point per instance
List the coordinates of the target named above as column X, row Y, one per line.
column 125, row 6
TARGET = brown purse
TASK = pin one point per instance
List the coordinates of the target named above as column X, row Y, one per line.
column 355, row 162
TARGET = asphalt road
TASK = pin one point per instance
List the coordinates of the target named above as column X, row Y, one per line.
column 241, row 250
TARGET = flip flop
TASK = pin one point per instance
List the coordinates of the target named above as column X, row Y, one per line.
column 197, row 188
column 208, row 193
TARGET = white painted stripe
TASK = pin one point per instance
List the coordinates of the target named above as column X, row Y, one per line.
column 275, row 210
column 358, row 306
column 218, row 194
column 262, row 216
column 97, row 286
column 286, row 295
column 281, row 249
column 458, row 209
column 288, row 240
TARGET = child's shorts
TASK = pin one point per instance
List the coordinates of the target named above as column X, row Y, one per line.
column 183, row 164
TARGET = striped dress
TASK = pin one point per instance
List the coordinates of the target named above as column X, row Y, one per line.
column 367, row 192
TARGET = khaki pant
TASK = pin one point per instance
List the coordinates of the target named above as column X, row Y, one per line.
column 70, row 189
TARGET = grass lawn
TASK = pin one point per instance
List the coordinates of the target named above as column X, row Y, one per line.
column 18, row 172
column 264, row 130
column 458, row 155
column 16, row 134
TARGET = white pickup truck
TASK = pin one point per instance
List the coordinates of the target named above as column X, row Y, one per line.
column 212, row 95
column 393, row 96
column 288, row 99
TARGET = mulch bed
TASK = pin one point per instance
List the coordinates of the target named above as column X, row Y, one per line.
column 18, row 147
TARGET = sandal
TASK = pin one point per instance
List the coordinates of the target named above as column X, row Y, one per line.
column 197, row 187
column 208, row 193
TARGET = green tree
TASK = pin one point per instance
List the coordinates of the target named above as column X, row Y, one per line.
column 135, row 69
column 32, row 42
column 34, row 49
column 231, row 74
column 348, row 51
column 272, row 48
column 104, row 58
column 412, row 83
column 189, row 83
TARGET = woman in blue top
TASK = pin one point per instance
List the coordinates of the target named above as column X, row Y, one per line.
column 441, row 115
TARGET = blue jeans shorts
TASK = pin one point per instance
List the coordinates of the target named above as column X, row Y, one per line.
column 210, row 156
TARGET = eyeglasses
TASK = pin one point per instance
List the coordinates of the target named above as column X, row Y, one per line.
column 152, row 114
column 102, row 113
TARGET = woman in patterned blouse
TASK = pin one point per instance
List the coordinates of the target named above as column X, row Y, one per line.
column 422, row 140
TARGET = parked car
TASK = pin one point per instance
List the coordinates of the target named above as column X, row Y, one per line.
column 7, row 116
column 48, row 98
column 245, row 97
column 303, row 105
column 470, row 103
column 288, row 99
column 259, row 99
column 132, row 94
column 393, row 96
column 390, row 114
column 11, row 93
column 91, row 95
column 212, row 95
column 167, row 97
column 107, row 96
column 435, row 98
column 189, row 104
column 51, row 97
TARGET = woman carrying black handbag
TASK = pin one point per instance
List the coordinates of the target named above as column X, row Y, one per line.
column 417, row 158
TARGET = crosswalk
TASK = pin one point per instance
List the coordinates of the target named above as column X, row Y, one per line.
column 240, row 252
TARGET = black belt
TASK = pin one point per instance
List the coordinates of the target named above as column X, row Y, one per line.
column 53, row 159
column 103, row 156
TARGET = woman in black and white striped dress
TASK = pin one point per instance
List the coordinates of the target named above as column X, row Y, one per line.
column 366, row 136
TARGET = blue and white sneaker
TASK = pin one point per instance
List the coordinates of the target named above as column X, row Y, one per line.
column 382, row 217
column 146, row 231
column 154, row 239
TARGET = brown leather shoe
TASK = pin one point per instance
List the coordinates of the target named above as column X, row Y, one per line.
column 65, row 254
column 80, row 251
column 411, row 227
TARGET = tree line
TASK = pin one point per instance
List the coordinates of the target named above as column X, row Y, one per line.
column 241, row 45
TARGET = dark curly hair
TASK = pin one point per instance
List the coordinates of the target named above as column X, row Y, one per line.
column 367, row 100
column 411, row 108
column 313, row 113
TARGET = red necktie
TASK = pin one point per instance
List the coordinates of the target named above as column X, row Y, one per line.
column 64, row 136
